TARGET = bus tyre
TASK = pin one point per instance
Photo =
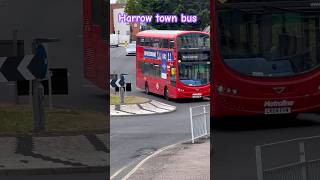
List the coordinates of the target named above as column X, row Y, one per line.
column 146, row 88
column 166, row 94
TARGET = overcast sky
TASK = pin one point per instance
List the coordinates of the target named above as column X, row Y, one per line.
column 112, row 1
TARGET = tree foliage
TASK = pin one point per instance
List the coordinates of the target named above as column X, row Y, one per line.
column 121, row 1
column 169, row 7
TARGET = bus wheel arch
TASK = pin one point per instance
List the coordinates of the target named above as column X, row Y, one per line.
column 146, row 88
column 166, row 93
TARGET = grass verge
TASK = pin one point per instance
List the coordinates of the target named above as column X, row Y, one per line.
column 19, row 120
column 115, row 99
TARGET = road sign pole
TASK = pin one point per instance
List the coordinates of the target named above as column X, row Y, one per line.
column 38, row 106
column 50, row 90
column 121, row 95
column 38, row 101
column 30, row 93
column 15, row 53
column 41, row 105
column 122, row 83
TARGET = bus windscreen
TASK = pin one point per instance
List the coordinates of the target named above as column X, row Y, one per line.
column 194, row 68
column 268, row 40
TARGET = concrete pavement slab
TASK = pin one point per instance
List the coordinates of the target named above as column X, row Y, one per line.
column 134, row 109
column 53, row 154
column 152, row 107
column 181, row 162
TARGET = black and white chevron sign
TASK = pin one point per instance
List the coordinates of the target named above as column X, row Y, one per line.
column 117, row 83
column 28, row 67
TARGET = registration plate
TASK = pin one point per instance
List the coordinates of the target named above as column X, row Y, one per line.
column 282, row 110
column 197, row 95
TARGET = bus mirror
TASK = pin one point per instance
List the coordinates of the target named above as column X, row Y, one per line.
column 173, row 71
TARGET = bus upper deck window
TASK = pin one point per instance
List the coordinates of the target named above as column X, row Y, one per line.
column 165, row 43
column 156, row 43
column 147, row 42
column 160, row 43
column 171, row 44
column 141, row 41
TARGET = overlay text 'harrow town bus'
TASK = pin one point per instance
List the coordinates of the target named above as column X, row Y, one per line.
column 175, row 64
column 266, row 57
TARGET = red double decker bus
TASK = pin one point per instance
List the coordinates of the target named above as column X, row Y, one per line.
column 95, row 45
column 175, row 64
column 266, row 57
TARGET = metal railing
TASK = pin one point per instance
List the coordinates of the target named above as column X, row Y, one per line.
column 297, row 159
column 200, row 121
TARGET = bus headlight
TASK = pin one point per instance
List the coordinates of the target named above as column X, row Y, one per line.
column 226, row 90
column 234, row 91
column 220, row 89
column 180, row 90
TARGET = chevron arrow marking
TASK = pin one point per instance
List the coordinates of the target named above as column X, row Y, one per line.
column 117, row 83
column 2, row 61
column 23, row 67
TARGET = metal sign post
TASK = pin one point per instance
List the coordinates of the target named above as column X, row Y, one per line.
column 118, row 37
column 122, row 83
column 37, row 100
column 30, row 92
column 37, row 88
column 50, row 90
column 121, row 95
column 38, row 106
column 15, row 53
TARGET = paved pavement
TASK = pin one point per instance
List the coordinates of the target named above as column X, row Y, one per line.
column 149, row 108
column 53, row 154
column 184, row 161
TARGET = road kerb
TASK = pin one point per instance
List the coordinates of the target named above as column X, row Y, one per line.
column 149, row 108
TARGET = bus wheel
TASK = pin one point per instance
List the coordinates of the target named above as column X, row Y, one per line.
column 146, row 88
column 166, row 93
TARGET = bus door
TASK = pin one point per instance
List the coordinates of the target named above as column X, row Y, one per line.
column 171, row 70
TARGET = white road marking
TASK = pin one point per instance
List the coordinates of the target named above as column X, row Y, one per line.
column 162, row 105
column 134, row 109
column 118, row 172
column 151, row 107
column 114, row 112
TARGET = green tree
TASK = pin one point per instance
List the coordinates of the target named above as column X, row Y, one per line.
column 168, row 7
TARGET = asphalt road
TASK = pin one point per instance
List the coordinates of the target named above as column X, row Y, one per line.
column 233, row 144
column 100, row 176
column 134, row 137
